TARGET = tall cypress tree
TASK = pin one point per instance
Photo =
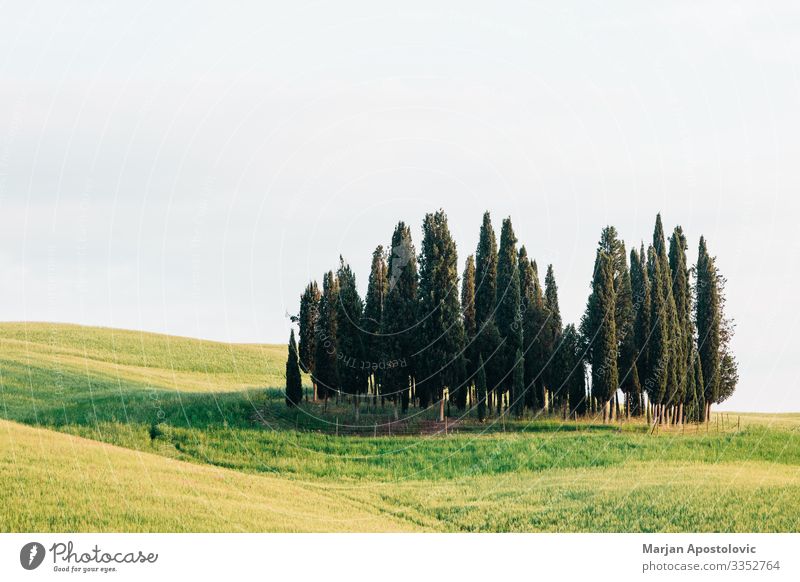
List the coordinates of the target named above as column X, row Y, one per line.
column 657, row 342
column 708, row 325
column 350, row 337
column 728, row 366
column 554, row 329
column 488, row 340
column 672, row 394
column 626, row 361
column 535, row 334
column 442, row 360
column 326, row 374
column 508, row 311
column 377, row 289
column 532, row 332
column 470, row 327
column 309, row 314
column 400, row 326
column 684, row 331
column 294, row 383
column 640, row 296
column 605, row 378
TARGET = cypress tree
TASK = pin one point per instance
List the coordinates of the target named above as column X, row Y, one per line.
column 480, row 389
column 309, row 314
column 684, row 330
column 530, row 327
column 672, row 340
column 729, row 368
column 658, row 351
column 294, row 383
column 605, row 379
column 326, row 374
column 708, row 322
column 350, row 338
column 486, row 267
column 470, row 327
column 487, row 334
column 537, row 349
column 612, row 248
column 640, row 296
column 399, row 327
column 442, row 361
column 508, row 310
column 626, row 362
column 377, row 289
column 553, row 338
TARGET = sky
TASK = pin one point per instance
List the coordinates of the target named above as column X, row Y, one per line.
column 188, row 167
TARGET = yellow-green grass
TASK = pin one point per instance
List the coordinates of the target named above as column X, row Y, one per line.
column 144, row 358
column 726, row 420
column 55, row 482
column 221, row 407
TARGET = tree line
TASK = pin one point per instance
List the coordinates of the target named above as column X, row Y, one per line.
column 654, row 339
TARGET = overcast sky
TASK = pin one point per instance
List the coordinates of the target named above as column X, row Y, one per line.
column 187, row 168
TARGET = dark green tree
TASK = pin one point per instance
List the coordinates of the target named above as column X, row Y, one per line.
column 605, row 378
column 673, row 356
column 554, row 329
column 400, row 327
column 657, row 343
column 537, row 347
column 377, row 290
column 294, row 383
column 626, row 361
column 486, row 273
column 350, row 337
column 326, row 373
column 309, row 314
column 640, row 296
column 509, row 309
column 442, row 359
column 488, row 337
column 708, row 323
column 470, row 328
column 684, row 341
column 729, row 367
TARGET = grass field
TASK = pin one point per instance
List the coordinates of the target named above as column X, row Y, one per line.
column 228, row 443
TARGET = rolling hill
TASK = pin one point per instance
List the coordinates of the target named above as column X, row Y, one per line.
column 114, row 430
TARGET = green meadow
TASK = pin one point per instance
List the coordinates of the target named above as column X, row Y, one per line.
column 114, row 430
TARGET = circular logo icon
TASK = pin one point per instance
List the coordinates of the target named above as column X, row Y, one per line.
column 31, row 555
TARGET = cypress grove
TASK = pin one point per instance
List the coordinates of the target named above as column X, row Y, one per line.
column 648, row 341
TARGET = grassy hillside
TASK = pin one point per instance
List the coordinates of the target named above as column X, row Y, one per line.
column 56, row 482
column 218, row 412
